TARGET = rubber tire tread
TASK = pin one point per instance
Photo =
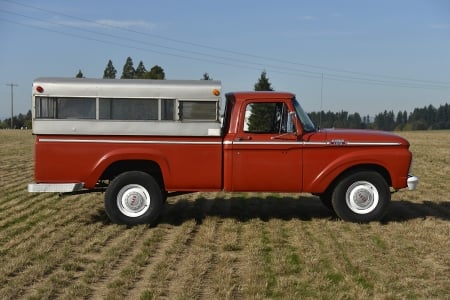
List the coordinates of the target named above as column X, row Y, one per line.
column 134, row 177
column 340, row 205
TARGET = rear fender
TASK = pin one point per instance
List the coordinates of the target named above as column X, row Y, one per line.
column 125, row 154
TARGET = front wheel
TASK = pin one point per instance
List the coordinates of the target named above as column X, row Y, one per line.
column 361, row 197
column 133, row 198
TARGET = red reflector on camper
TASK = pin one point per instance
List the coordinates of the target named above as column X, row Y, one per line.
column 216, row 92
column 39, row 89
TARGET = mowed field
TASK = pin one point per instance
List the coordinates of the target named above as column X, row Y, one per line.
column 225, row 246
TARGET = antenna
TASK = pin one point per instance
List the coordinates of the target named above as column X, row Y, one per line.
column 321, row 102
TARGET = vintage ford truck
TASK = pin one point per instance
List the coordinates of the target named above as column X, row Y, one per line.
column 140, row 140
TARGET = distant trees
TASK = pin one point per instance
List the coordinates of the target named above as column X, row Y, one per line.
column 429, row 117
column 340, row 119
column 263, row 83
column 206, row 77
column 129, row 72
column 384, row 121
column 426, row 118
column 140, row 70
column 19, row 121
column 79, row 74
column 110, row 72
column 156, row 72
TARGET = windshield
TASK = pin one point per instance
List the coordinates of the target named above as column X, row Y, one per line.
column 308, row 125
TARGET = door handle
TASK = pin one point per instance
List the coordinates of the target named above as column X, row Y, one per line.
column 244, row 138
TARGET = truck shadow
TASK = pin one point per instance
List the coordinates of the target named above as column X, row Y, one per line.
column 182, row 209
column 404, row 210
column 245, row 209
column 303, row 208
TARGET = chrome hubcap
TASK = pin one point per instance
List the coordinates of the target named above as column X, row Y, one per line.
column 133, row 200
column 362, row 197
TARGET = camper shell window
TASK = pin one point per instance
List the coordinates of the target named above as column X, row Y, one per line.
column 126, row 109
column 65, row 108
column 198, row 110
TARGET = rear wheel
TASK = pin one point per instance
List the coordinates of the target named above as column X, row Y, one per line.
column 133, row 198
column 361, row 197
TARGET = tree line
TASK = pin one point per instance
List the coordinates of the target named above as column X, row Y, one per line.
column 21, row 121
column 129, row 72
column 426, row 118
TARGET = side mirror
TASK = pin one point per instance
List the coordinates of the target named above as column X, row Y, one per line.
column 291, row 123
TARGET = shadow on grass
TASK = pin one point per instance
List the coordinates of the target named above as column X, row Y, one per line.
column 404, row 210
column 287, row 208
column 305, row 208
column 245, row 209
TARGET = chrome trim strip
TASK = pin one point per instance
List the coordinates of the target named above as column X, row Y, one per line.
column 372, row 143
column 110, row 141
column 265, row 143
column 316, row 143
column 47, row 140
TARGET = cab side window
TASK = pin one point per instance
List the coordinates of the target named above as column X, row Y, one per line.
column 266, row 117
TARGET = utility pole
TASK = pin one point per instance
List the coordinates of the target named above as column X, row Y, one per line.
column 12, row 85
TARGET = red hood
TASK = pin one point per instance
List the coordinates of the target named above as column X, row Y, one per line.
column 349, row 136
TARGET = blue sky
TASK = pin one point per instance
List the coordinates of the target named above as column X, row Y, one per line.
column 373, row 55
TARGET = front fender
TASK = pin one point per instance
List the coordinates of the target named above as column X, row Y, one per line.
column 394, row 161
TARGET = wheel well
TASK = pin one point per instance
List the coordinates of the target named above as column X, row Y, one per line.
column 119, row 167
column 376, row 168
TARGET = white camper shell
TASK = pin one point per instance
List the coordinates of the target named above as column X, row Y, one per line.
column 79, row 106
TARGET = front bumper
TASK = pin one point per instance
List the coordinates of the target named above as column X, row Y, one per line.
column 413, row 181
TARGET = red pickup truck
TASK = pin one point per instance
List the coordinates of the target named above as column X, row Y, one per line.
column 139, row 140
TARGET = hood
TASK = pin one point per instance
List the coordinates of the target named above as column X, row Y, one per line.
column 356, row 137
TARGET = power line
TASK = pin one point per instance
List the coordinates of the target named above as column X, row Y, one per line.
column 12, row 85
column 201, row 55
column 332, row 73
column 264, row 58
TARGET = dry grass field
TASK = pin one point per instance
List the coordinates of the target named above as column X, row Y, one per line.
column 224, row 246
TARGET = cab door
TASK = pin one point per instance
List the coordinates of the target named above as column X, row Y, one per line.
column 266, row 153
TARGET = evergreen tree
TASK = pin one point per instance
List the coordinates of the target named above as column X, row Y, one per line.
column 156, row 72
column 405, row 117
column 140, row 71
column 206, row 77
column 399, row 121
column 79, row 74
column 110, row 72
column 263, row 83
column 443, row 117
column 128, row 69
column 385, row 121
column 261, row 117
column 354, row 121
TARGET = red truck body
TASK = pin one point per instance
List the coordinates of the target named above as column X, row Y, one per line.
column 241, row 154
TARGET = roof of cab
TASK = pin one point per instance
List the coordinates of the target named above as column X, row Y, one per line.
column 260, row 95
